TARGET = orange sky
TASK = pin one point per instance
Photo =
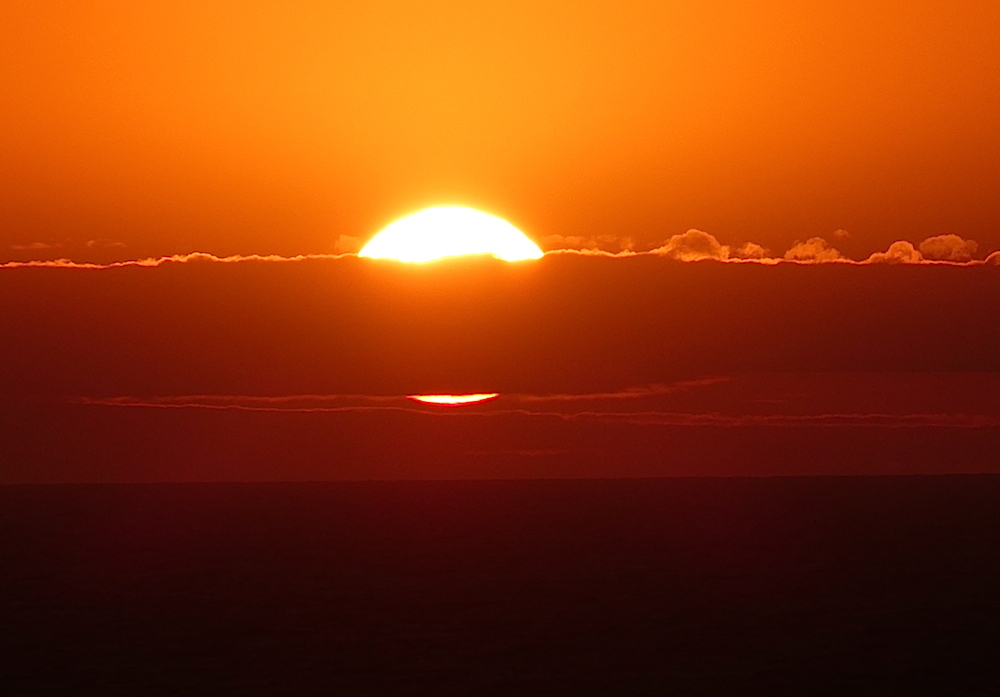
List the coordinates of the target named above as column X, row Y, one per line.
column 274, row 128
column 295, row 130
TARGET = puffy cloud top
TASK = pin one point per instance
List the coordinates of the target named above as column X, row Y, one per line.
column 813, row 249
column 949, row 248
column 901, row 252
column 693, row 245
column 752, row 250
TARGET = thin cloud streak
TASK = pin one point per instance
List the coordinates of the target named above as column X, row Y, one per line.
column 869, row 420
column 218, row 404
column 649, row 418
column 339, row 402
column 152, row 262
column 630, row 393
column 35, row 246
column 538, row 452
column 290, row 403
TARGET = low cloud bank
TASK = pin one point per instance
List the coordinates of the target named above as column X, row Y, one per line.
column 160, row 261
column 697, row 245
column 693, row 245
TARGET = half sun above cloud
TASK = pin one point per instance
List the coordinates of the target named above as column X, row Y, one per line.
column 448, row 231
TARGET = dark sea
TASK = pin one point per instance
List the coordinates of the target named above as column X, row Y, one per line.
column 769, row 586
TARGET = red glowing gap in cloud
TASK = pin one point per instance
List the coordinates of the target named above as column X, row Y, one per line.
column 453, row 400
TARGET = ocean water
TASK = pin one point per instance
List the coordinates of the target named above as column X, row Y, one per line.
column 845, row 585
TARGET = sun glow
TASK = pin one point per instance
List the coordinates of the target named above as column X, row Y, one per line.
column 453, row 400
column 448, row 231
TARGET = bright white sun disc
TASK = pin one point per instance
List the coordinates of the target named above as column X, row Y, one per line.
column 453, row 400
column 448, row 231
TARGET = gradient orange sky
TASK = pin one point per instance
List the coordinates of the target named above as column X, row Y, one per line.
column 249, row 127
column 274, row 138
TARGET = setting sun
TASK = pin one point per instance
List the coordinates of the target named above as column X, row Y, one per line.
column 450, row 231
column 453, row 400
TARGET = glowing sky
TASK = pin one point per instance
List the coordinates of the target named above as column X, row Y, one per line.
column 135, row 129
column 723, row 190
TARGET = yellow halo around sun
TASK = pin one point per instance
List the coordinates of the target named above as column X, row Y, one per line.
column 448, row 231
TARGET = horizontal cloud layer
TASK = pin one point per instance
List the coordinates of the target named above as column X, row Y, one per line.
column 697, row 245
column 152, row 262
column 789, row 424
column 335, row 403
column 693, row 245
